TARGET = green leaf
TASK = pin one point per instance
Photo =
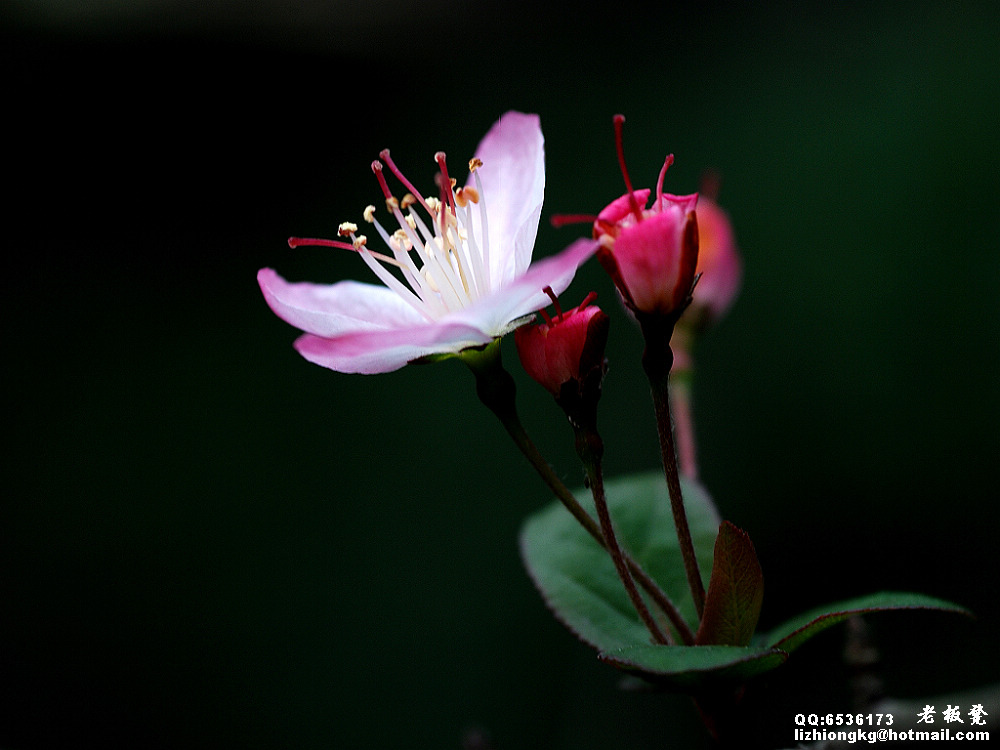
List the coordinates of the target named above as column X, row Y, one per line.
column 735, row 591
column 689, row 667
column 577, row 578
column 792, row 634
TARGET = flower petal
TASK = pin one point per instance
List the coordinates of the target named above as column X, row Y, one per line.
column 513, row 180
column 620, row 208
column 652, row 263
column 335, row 309
column 524, row 295
column 373, row 352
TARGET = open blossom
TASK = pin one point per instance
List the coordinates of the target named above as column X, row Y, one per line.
column 650, row 253
column 456, row 273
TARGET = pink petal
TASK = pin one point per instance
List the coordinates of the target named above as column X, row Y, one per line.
column 336, row 309
column 621, row 208
column 373, row 352
column 524, row 295
column 513, row 179
column 649, row 260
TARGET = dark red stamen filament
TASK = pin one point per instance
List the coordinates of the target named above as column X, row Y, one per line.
column 555, row 302
column 586, row 301
column 619, row 121
column 663, row 173
column 384, row 156
column 561, row 220
column 445, row 181
column 377, row 169
column 312, row 242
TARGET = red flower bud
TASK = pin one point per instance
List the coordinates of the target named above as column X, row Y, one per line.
column 650, row 253
column 651, row 257
column 565, row 348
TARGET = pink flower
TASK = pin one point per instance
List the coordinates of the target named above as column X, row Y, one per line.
column 457, row 272
column 650, row 253
column 565, row 348
column 719, row 267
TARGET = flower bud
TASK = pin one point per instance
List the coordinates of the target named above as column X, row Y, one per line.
column 719, row 267
column 650, row 254
column 568, row 347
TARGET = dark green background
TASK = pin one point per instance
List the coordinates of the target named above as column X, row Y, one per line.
column 206, row 541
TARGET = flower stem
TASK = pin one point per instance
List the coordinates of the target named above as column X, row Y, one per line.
column 680, row 404
column 496, row 389
column 657, row 359
column 590, row 448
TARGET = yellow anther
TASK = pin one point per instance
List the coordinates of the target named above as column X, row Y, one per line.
column 360, row 241
column 347, row 228
column 475, row 163
column 369, row 214
column 434, row 204
column 466, row 194
column 410, row 221
column 408, row 200
column 392, row 204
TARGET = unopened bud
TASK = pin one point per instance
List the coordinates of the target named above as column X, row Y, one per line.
column 568, row 348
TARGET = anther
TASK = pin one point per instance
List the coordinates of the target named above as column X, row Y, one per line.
column 408, row 200
column 475, row 163
column 359, row 242
column 369, row 214
column 346, row 229
column 466, row 195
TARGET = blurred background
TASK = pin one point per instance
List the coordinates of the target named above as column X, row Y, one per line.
column 206, row 541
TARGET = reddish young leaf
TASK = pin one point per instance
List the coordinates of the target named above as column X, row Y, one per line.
column 735, row 592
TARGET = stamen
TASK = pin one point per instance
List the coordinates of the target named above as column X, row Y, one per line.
column 356, row 246
column 369, row 214
column 659, row 182
column 346, row 229
column 439, row 157
column 451, row 242
column 412, row 275
column 619, row 121
column 562, row 220
column 485, row 225
column 408, row 200
column 555, row 302
column 377, row 169
column 586, row 301
column 384, row 155
column 475, row 163
column 294, row 242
